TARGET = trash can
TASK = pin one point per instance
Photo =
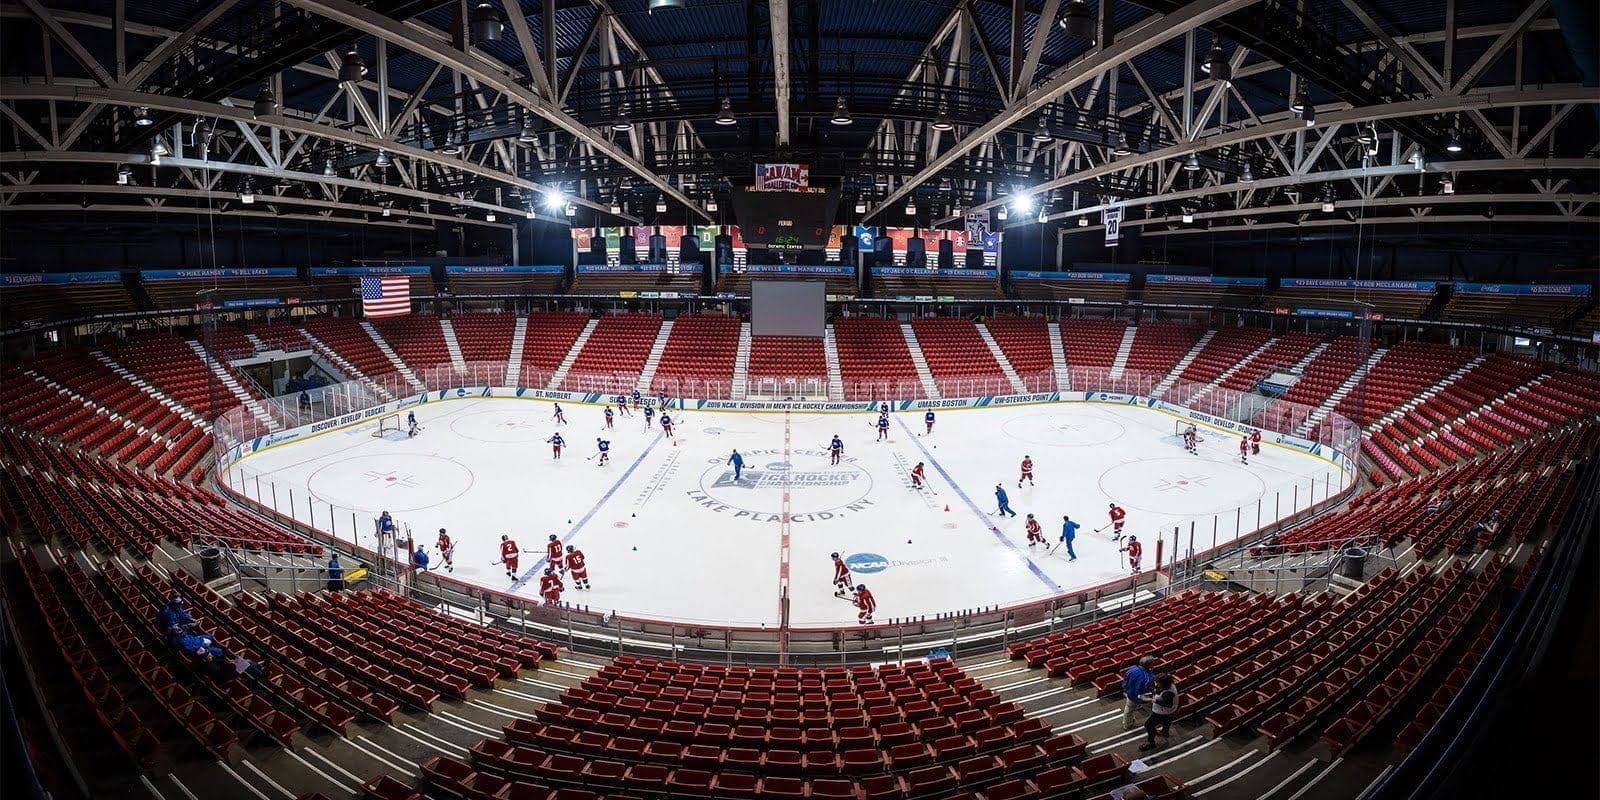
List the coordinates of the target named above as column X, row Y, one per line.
column 210, row 564
column 1354, row 563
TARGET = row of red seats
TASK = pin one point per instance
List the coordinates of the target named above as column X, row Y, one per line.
column 776, row 360
column 698, row 360
column 1092, row 342
column 956, row 354
column 418, row 339
column 167, row 361
column 1227, row 348
column 1407, row 369
column 484, row 338
column 874, row 358
column 77, row 370
column 1284, row 352
column 619, row 345
column 1319, row 378
column 1026, row 344
column 549, row 338
column 351, row 342
column 1158, row 346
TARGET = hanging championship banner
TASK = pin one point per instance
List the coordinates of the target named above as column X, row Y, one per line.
column 782, row 177
column 1112, row 217
column 977, row 225
column 584, row 237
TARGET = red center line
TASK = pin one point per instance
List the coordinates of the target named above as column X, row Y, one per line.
column 783, row 530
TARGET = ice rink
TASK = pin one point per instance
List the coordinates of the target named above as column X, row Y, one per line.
column 670, row 535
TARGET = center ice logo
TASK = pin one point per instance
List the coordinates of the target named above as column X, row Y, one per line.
column 817, row 489
column 771, row 476
column 866, row 563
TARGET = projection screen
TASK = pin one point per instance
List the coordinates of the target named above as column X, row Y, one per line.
column 787, row 308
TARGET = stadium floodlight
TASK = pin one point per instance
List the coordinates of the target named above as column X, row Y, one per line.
column 622, row 123
column 1454, row 145
column 266, row 103
column 572, row 210
column 141, row 117
column 911, row 207
column 529, row 133
column 158, row 149
column 861, row 206
column 1216, row 65
column 711, row 205
column 1023, row 202
column 382, row 159
column 1083, row 221
column 247, row 195
column 1248, row 174
column 553, row 199
column 841, row 113
column 328, row 170
column 485, row 23
column 1188, row 216
column 1077, row 20
column 352, row 67
column 725, row 113
column 941, row 120
column 1192, row 164
column 124, row 174
column 1041, row 133
column 1448, row 186
column 1000, row 213
column 661, row 204
column 489, row 217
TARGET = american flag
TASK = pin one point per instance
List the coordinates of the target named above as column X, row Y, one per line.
column 388, row 296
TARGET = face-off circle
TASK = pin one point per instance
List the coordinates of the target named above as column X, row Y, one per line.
column 398, row 483
column 1181, row 485
column 505, row 427
column 1063, row 430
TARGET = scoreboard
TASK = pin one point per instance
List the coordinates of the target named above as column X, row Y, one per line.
column 785, row 220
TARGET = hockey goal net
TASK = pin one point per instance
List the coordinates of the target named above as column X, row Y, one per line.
column 387, row 424
column 1182, row 425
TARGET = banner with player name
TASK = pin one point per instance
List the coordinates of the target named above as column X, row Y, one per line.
column 509, row 269
column 1207, row 280
column 977, row 225
column 1112, row 218
column 1567, row 289
column 803, row 269
column 220, row 272
column 329, row 272
column 736, row 237
column 641, row 241
column 1339, row 283
column 35, row 278
column 782, row 177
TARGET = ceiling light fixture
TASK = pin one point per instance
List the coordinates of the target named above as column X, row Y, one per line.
column 941, row 120
column 1041, row 133
column 616, row 207
column 1309, row 116
column 655, row 4
column 1023, row 203
column 452, row 144
column 1077, row 21
column 124, row 174
column 1454, row 145
column 386, row 211
column 1366, row 135
column 1300, row 101
column 383, row 158
column 1043, row 217
column 528, row 134
column 1216, row 65
column 1448, row 186
column 841, row 112
column 489, row 217
column 911, row 207
column 141, row 117
column 353, row 67
column 1247, row 175
column 1000, row 213
column 266, row 102
column 158, row 148
column 1083, row 222
column 661, row 204
column 1193, row 164
column 711, row 204
column 725, row 113
column 572, row 210
column 485, row 23
column 1188, row 216
column 553, row 199
column 247, row 194
column 622, row 123
column 1123, row 147
column 327, row 169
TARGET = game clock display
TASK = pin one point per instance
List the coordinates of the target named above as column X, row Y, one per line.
column 785, row 220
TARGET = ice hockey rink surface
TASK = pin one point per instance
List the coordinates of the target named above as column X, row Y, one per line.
column 670, row 535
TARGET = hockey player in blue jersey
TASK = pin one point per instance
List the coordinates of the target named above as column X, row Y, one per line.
column 661, row 400
column 419, row 559
column 622, row 405
column 836, row 449
column 927, row 419
column 608, row 417
column 1003, row 501
column 561, row 417
column 883, row 410
column 1069, row 531
column 411, row 423
column 637, row 398
column 883, row 427
column 666, row 423
column 738, row 463
column 556, row 443
column 604, row 447
column 649, row 416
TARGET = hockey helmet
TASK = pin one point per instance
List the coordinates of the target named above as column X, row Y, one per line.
column 835, row 555
column 552, row 537
column 861, row 587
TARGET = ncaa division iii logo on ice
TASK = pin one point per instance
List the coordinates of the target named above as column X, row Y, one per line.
column 816, row 494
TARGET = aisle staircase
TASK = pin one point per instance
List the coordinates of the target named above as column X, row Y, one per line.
column 648, row 373
column 394, row 358
column 741, row 364
column 1120, row 364
column 572, row 355
column 1427, row 392
column 1058, row 358
column 457, row 361
column 250, row 402
column 519, row 338
column 830, row 354
column 344, row 366
column 149, row 388
column 1299, row 367
column 257, row 344
column 1228, row 373
column 1005, row 363
column 929, row 387
column 1338, row 394
column 1178, row 368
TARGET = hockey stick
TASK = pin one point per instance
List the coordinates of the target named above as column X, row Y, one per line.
column 1102, row 527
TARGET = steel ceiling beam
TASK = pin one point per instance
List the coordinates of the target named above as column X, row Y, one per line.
column 1130, row 44
column 1288, row 123
column 494, row 74
column 778, row 27
column 201, row 108
column 1431, row 219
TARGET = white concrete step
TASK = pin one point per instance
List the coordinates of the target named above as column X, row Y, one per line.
column 920, row 361
column 1183, row 363
column 151, row 389
column 830, row 354
column 250, row 402
column 572, row 355
column 1120, row 364
column 741, row 364
column 97, row 408
column 1299, row 366
column 648, row 373
column 519, row 340
column 1058, row 357
column 1327, row 405
column 1228, row 373
column 1428, row 391
column 1005, row 363
column 257, row 343
column 344, row 365
column 400, row 366
column 452, row 345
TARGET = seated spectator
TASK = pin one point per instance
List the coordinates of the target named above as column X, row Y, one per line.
column 175, row 612
column 245, row 668
column 200, row 646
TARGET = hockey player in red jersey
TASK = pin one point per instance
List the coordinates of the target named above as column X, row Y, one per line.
column 1135, row 551
column 918, row 476
column 1027, row 471
column 554, row 553
column 509, row 554
column 865, row 604
column 550, row 587
column 578, row 567
column 1244, row 450
column 447, row 551
column 1255, row 441
column 1035, row 535
column 1118, row 517
column 841, row 576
